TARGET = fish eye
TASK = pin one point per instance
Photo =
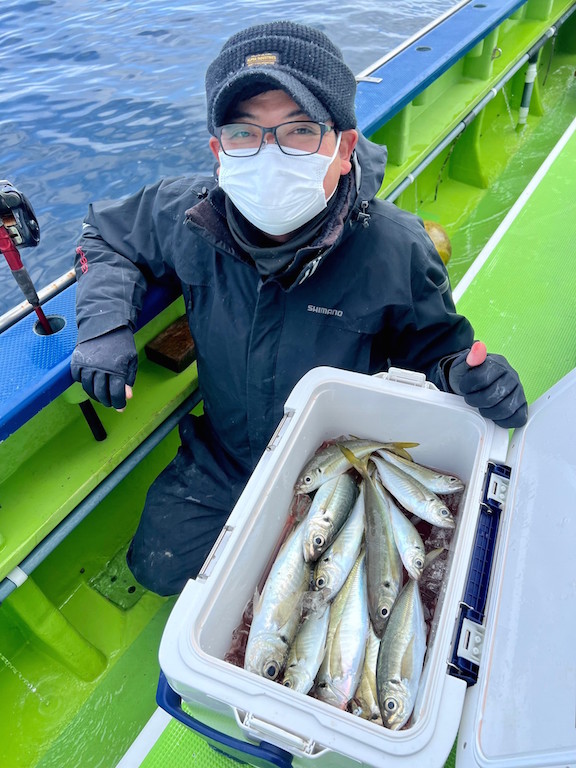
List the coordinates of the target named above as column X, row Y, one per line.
column 418, row 563
column 271, row 670
column 320, row 582
column 287, row 683
column 307, row 479
column 384, row 612
column 319, row 540
column 390, row 705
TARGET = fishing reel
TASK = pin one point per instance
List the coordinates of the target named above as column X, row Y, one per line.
column 18, row 217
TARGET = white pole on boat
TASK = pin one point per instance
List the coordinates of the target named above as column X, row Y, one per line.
column 527, row 92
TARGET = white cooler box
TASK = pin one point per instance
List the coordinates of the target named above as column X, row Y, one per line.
column 501, row 669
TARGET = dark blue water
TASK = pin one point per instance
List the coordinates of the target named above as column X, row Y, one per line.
column 99, row 98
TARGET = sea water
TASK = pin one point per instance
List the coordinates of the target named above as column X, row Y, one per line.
column 100, row 98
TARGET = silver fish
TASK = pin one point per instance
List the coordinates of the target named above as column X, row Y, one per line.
column 334, row 565
column 307, row 650
column 330, row 461
column 365, row 701
column 412, row 495
column 401, row 658
column 383, row 562
column 437, row 482
column 277, row 611
column 341, row 667
column 407, row 539
column 327, row 514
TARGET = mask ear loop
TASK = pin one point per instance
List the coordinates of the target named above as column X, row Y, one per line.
column 331, row 161
column 337, row 147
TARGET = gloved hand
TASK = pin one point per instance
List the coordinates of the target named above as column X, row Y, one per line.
column 488, row 382
column 105, row 365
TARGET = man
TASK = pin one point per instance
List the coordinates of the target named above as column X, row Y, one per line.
column 286, row 261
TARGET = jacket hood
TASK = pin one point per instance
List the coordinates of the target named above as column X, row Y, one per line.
column 369, row 161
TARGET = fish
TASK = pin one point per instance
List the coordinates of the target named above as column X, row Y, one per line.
column 365, row 701
column 334, row 565
column 341, row 667
column 401, row 658
column 277, row 610
column 329, row 462
column 328, row 512
column 307, row 650
column 434, row 481
column 412, row 495
column 408, row 540
column 383, row 561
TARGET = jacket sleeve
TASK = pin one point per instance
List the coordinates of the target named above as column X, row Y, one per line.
column 124, row 246
column 432, row 331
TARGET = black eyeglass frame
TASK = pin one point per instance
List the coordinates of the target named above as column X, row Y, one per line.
column 324, row 129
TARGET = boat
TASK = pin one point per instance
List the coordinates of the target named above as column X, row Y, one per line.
column 477, row 111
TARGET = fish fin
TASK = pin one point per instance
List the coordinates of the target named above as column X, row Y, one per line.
column 256, row 601
column 400, row 449
column 290, row 606
column 432, row 555
column 407, row 665
column 359, row 464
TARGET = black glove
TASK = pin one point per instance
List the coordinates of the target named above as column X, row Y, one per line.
column 104, row 366
column 493, row 387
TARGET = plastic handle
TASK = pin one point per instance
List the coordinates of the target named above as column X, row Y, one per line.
column 263, row 754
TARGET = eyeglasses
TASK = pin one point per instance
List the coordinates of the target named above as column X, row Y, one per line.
column 299, row 137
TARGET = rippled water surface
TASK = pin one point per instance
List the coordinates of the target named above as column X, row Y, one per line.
column 101, row 97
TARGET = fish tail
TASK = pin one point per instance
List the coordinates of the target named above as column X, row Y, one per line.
column 400, row 449
column 361, row 465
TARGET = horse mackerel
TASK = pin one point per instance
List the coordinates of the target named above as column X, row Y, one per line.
column 277, row 611
column 341, row 667
column 330, row 461
column 327, row 514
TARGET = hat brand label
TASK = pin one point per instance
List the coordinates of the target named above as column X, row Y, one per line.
column 261, row 59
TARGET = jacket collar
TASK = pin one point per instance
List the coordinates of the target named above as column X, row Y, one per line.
column 208, row 217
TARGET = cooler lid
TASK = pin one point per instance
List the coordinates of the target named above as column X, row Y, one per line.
column 522, row 711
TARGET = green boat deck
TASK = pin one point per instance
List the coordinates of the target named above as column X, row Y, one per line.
column 520, row 294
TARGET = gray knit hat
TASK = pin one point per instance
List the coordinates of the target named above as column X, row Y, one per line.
column 296, row 58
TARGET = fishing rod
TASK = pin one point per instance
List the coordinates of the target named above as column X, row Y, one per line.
column 19, row 228
column 18, row 225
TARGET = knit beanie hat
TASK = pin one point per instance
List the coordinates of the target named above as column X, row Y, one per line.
column 296, row 58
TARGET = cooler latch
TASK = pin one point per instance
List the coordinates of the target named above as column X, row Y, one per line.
column 471, row 641
column 404, row 376
column 469, row 638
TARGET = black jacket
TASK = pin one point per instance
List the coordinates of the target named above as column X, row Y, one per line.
column 369, row 293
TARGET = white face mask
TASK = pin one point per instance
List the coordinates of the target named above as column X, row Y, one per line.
column 277, row 193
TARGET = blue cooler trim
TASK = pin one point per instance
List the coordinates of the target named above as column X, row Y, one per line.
column 260, row 755
column 476, row 591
